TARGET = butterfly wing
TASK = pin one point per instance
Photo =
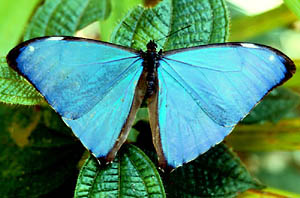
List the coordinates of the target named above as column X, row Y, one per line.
column 205, row 91
column 90, row 84
column 76, row 72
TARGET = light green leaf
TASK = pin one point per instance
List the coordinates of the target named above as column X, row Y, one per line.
column 295, row 81
column 14, row 89
column 132, row 174
column 142, row 114
column 14, row 16
column 294, row 6
column 174, row 24
column 55, row 17
column 63, row 17
column 247, row 27
column 268, row 193
column 119, row 10
column 217, row 173
column 284, row 136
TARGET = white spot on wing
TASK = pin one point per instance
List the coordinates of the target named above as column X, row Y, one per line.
column 55, row 38
column 31, row 48
column 272, row 58
column 249, row 45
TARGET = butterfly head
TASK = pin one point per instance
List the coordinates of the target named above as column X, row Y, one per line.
column 151, row 46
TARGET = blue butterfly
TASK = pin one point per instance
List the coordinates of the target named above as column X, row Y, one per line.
column 195, row 95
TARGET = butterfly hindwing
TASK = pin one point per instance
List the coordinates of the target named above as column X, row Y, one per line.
column 90, row 84
column 185, row 129
column 99, row 129
column 205, row 91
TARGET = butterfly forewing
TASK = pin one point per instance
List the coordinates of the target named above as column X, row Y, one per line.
column 72, row 74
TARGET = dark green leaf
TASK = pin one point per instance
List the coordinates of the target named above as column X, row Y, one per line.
column 64, row 17
column 14, row 89
column 178, row 24
column 274, row 106
column 216, row 174
column 34, row 158
column 132, row 174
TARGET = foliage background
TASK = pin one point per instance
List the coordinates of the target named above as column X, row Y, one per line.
column 32, row 136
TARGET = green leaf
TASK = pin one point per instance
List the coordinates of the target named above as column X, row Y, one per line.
column 35, row 159
column 64, row 17
column 274, row 106
column 247, row 27
column 268, row 193
column 14, row 89
column 55, row 17
column 141, row 115
column 174, row 24
column 131, row 31
column 294, row 6
column 13, row 19
column 217, row 173
column 208, row 19
column 283, row 136
column 295, row 81
column 132, row 174
column 120, row 9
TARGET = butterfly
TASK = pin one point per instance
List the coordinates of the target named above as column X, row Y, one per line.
column 195, row 95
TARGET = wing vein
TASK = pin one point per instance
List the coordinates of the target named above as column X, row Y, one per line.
column 189, row 91
column 196, row 66
column 102, row 63
column 114, row 82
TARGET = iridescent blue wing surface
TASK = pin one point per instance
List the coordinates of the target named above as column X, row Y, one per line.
column 90, row 84
column 205, row 91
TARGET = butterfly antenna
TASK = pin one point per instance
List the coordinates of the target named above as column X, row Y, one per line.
column 172, row 33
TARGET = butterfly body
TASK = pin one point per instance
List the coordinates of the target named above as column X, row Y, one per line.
column 195, row 95
column 150, row 63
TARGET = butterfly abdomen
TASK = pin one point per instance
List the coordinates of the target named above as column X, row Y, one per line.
column 151, row 85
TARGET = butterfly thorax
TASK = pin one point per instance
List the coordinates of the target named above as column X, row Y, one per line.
column 151, row 63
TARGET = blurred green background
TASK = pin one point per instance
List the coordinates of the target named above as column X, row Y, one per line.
column 271, row 22
column 275, row 23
